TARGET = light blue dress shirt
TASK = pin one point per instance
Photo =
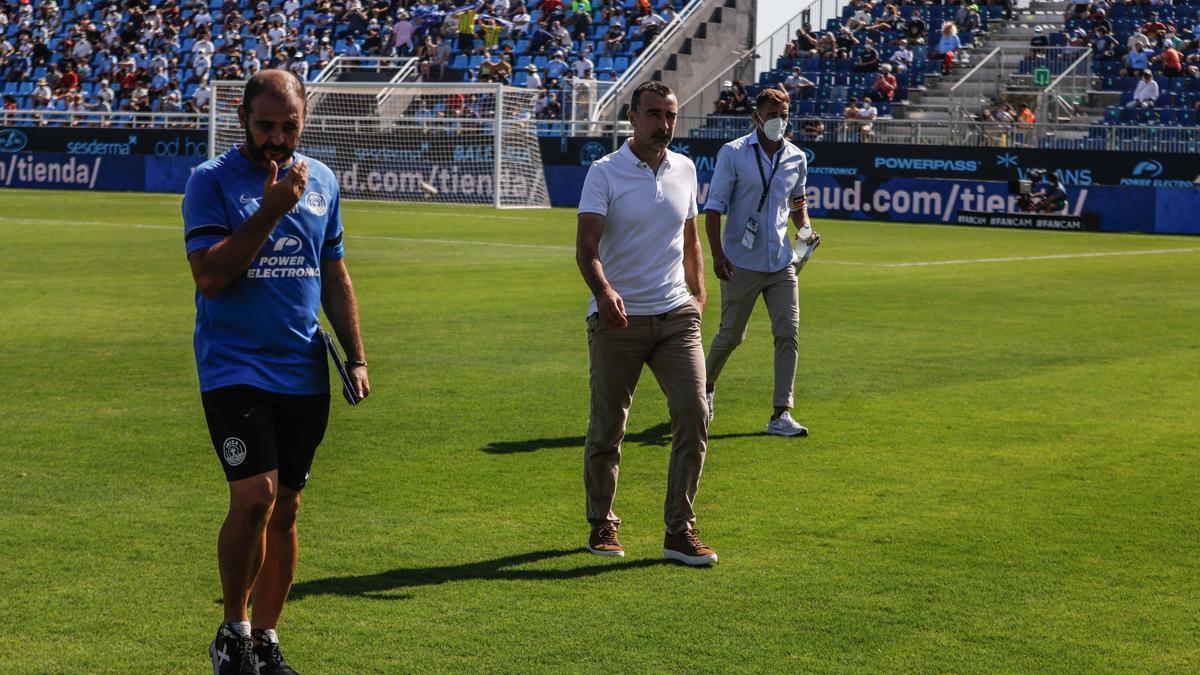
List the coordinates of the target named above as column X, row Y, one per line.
column 737, row 189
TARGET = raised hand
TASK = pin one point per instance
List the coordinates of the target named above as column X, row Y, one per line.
column 279, row 196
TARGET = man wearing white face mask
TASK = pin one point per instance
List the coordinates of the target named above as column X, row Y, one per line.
column 759, row 184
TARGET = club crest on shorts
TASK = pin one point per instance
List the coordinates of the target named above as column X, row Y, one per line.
column 316, row 204
column 234, row 451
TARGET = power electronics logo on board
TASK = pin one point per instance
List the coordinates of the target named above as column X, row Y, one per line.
column 1150, row 168
column 810, row 158
column 12, row 140
column 1146, row 174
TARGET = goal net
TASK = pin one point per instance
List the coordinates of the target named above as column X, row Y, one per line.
column 447, row 143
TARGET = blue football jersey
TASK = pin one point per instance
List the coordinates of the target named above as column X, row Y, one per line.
column 261, row 330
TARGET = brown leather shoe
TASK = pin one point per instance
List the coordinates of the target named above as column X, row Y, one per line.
column 603, row 541
column 687, row 548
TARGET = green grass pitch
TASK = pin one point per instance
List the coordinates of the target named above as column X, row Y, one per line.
column 1002, row 473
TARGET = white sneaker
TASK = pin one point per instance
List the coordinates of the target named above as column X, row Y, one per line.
column 708, row 396
column 784, row 425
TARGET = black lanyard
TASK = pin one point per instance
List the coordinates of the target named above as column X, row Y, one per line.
column 766, row 182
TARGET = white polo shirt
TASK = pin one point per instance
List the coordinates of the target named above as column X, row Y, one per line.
column 641, row 249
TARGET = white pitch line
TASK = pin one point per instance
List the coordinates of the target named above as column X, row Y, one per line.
column 462, row 242
column 1061, row 256
column 570, row 249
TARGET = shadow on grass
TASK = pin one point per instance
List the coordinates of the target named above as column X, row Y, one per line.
column 383, row 584
column 658, row 435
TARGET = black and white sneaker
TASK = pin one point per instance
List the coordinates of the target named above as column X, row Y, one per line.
column 232, row 653
column 270, row 659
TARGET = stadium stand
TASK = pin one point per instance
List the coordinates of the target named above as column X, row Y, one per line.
column 139, row 57
column 847, row 61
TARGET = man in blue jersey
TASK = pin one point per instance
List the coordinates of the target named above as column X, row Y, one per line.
column 263, row 231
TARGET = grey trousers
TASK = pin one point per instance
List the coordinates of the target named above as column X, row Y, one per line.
column 738, row 295
column 671, row 345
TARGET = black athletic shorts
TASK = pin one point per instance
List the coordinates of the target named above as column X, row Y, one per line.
column 255, row 431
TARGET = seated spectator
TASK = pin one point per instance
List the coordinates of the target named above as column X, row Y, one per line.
column 1026, row 115
column 552, row 10
column 503, row 70
column 741, row 104
column 805, row 44
column 902, row 58
column 1172, row 62
column 914, row 28
column 533, row 81
column 520, row 23
column 557, row 67
column 1137, row 60
column 1103, row 45
column 1145, row 93
column 561, row 35
column 796, row 83
column 1003, row 113
column 541, row 39
column 1077, row 9
column 860, row 19
column 581, row 19
column 1039, row 38
column 967, row 17
column 845, row 42
column 42, row 96
column 1135, row 38
column 104, row 96
column 724, row 103
column 947, row 45
column 884, row 87
column 1153, row 28
column 649, row 26
column 548, row 107
column 69, row 79
column 614, row 39
column 812, row 130
column 827, row 45
column 439, row 57
column 865, row 116
column 850, row 112
column 868, row 58
column 583, row 66
column 889, row 21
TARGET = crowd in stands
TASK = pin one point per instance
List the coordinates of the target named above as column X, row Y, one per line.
column 1148, row 51
column 864, row 63
column 161, row 55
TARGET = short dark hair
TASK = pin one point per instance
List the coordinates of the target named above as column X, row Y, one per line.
column 264, row 81
column 654, row 87
column 771, row 94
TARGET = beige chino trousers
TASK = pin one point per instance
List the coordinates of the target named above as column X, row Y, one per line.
column 671, row 345
column 738, row 295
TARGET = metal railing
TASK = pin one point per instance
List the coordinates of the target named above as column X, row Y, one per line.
column 762, row 58
column 1068, row 90
column 969, row 93
column 961, row 133
column 103, row 119
column 649, row 51
column 1023, row 75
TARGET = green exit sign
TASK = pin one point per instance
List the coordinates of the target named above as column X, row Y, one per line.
column 1041, row 77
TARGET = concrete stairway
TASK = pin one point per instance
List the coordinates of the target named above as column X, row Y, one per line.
column 720, row 31
column 998, row 75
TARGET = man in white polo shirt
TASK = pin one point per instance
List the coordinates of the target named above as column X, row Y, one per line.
column 759, row 182
column 639, row 252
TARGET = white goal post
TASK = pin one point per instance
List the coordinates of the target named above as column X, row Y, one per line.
column 444, row 143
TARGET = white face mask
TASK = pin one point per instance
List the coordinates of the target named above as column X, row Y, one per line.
column 774, row 128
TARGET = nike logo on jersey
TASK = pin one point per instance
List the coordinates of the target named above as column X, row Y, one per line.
column 247, row 200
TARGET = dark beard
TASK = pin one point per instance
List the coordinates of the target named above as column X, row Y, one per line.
column 259, row 152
